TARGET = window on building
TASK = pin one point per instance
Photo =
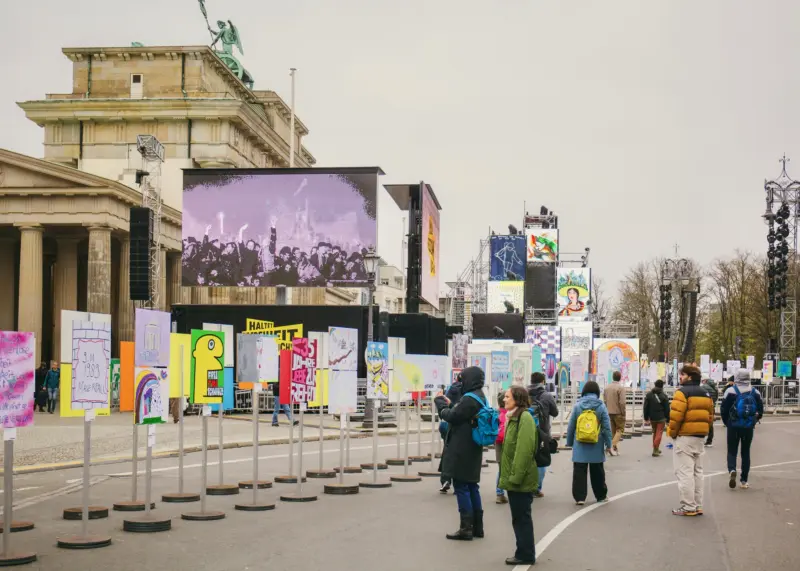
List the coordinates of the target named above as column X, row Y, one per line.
column 137, row 84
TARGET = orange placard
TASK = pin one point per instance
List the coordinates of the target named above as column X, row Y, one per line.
column 126, row 357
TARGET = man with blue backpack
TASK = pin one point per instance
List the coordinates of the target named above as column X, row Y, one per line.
column 742, row 408
column 472, row 424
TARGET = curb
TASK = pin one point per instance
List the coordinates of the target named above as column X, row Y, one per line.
column 52, row 467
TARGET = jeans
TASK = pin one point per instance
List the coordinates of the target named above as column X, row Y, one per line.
column 658, row 432
column 745, row 436
column 597, row 474
column 710, row 438
column 687, row 459
column 287, row 410
column 468, row 496
column 522, row 522
column 498, row 454
column 542, row 472
column 52, row 395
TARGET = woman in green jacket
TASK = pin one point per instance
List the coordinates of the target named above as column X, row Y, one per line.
column 518, row 473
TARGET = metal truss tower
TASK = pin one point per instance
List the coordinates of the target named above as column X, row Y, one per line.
column 784, row 191
column 468, row 294
column 152, row 152
column 679, row 275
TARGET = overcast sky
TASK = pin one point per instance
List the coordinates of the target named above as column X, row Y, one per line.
column 643, row 124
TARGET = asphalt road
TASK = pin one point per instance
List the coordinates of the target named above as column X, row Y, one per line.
column 402, row 528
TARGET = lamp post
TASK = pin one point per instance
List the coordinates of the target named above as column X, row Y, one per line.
column 371, row 266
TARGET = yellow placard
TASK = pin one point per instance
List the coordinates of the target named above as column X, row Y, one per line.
column 322, row 378
column 65, row 395
column 176, row 342
column 285, row 333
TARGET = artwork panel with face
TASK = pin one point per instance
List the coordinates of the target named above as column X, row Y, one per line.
column 573, row 289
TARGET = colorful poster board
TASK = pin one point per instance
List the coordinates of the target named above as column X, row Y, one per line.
column 500, row 293
column 126, row 376
column 715, row 371
column 478, row 361
column 343, row 348
column 541, row 244
column 519, row 372
column 784, row 369
column 152, row 338
column 377, row 359
column 705, row 364
column 91, row 364
column 573, row 290
column 303, row 383
column 576, row 337
column 622, row 354
column 151, row 397
column 67, row 319
column 230, row 341
column 751, row 362
column 114, row 380
column 17, row 378
column 343, row 391
column 257, row 360
column 501, row 368
column 417, row 373
column 547, row 338
column 460, row 350
column 429, row 290
column 285, row 333
column 507, row 254
column 207, row 365
column 180, row 349
column 767, row 371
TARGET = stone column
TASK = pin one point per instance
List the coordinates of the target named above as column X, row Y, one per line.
column 30, row 284
column 175, row 289
column 124, row 304
column 7, row 286
column 99, row 275
column 65, row 287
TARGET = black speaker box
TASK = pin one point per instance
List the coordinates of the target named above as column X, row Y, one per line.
column 141, row 235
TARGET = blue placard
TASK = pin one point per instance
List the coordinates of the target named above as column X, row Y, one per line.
column 508, row 254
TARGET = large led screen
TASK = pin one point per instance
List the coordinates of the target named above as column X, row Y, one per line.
column 430, row 249
column 291, row 227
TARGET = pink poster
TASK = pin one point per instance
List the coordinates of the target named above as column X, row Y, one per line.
column 303, row 381
column 16, row 378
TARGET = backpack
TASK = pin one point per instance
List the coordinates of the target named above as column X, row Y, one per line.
column 485, row 431
column 587, row 427
column 744, row 412
column 537, row 412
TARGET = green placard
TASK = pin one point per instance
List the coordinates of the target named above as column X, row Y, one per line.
column 208, row 363
column 784, row 369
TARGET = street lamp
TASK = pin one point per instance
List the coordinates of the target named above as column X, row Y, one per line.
column 370, row 265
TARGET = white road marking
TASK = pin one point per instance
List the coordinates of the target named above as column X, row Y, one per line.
column 23, row 489
column 553, row 534
column 54, row 494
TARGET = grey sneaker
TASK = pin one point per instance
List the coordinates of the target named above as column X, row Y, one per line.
column 732, row 481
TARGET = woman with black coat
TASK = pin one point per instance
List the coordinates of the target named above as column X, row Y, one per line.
column 462, row 458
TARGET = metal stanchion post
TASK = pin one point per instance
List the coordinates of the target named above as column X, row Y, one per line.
column 203, row 515
column 7, row 558
column 181, row 496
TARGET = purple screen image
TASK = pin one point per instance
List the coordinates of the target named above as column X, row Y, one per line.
column 278, row 227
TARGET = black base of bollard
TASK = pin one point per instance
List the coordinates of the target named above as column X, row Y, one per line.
column 203, row 516
column 180, row 498
column 146, row 525
column 254, row 507
column 95, row 512
column 222, row 490
column 320, row 474
column 404, row 478
column 12, row 559
column 248, row 485
column 286, row 479
column 341, row 489
column 375, row 485
column 350, row 470
column 298, row 498
column 132, row 506
column 83, row 542
column 17, row 526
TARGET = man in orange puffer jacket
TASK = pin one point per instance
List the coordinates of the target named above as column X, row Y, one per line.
column 690, row 418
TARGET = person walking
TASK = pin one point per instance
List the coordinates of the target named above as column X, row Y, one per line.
column 453, row 395
column 710, row 386
column 51, row 382
column 589, row 433
column 498, row 446
column 690, row 416
column 462, row 459
column 277, row 408
column 656, row 412
column 742, row 408
column 518, row 473
column 614, row 397
column 544, row 405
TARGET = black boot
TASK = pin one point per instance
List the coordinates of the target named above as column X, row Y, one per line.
column 464, row 532
column 477, row 523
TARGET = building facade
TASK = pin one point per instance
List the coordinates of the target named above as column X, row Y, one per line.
column 64, row 220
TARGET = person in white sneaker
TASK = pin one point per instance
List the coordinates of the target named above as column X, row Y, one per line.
column 742, row 408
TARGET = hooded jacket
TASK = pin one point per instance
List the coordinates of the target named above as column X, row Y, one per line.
column 462, row 458
column 729, row 399
column 691, row 412
column 656, row 405
column 584, row 452
column 711, row 386
column 547, row 403
column 518, row 471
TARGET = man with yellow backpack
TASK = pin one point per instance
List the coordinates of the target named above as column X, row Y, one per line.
column 589, row 435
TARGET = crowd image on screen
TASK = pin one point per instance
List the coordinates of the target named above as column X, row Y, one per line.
column 240, row 262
